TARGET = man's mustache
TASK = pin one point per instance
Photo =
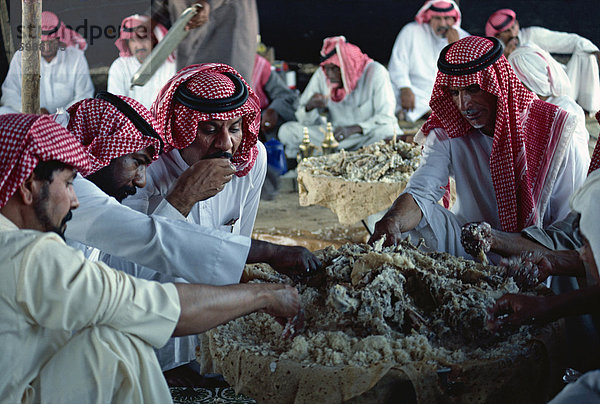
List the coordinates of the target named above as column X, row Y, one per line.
column 219, row 154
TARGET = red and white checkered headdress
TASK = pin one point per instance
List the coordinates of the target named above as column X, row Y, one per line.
column 500, row 21
column 131, row 26
column 351, row 61
column 442, row 8
column 52, row 28
column 108, row 131
column 215, row 83
column 26, row 140
column 522, row 149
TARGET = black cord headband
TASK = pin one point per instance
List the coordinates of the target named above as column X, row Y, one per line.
column 188, row 99
column 500, row 27
column 140, row 123
column 330, row 54
column 51, row 31
column 440, row 9
column 462, row 69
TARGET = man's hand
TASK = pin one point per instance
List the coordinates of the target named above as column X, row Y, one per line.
column 404, row 215
column 476, row 239
column 203, row 180
column 294, row 260
column 511, row 45
column 316, row 101
column 452, row 35
column 201, row 17
column 529, row 269
column 344, row 132
column 283, row 301
column 407, row 99
column 269, row 120
column 44, row 111
column 516, row 310
column 388, row 228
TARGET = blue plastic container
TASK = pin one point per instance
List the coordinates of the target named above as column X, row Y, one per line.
column 276, row 156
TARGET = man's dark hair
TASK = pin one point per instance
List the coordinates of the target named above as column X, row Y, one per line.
column 45, row 169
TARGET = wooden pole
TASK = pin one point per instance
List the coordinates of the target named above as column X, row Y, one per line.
column 6, row 34
column 30, row 62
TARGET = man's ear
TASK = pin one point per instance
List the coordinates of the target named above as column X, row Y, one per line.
column 28, row 188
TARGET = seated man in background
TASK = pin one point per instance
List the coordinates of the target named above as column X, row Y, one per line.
column 278, row 102
column 356, row 94
column 135, row 42
column 512, row 155
column 412, row 63
column 64, row 73
column 92, row 327
column 582, row 68
column 211, row 175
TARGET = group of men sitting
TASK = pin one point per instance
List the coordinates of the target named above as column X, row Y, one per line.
column 169, row 198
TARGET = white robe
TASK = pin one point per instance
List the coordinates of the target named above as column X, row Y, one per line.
column 198, row 254
column 370, row 105
column 467, row 160
column 237, row 202
column 582, row 68
column 122, row 70
column 63, row 81
column 413, row 64
column 74, row 330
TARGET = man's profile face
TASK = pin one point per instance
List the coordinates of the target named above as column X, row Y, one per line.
column 333, row 73
column 124, row 174
column 54, row 200
column 441, row 24
column 510, row 34
column 140, row 45
column 213, row 138
column 477, row 106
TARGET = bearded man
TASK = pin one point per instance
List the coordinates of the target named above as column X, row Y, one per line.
column 64, row 73
column 89, row 329
column 417, row 47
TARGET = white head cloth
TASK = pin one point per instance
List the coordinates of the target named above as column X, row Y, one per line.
column 539, row 71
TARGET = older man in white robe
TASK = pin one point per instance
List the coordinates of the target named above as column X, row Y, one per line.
column 511, row 154
column 64, row 73
column 413, row 61
column 350, row 90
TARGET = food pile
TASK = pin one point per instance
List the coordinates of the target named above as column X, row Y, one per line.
column 378, row 162
column 392, row 305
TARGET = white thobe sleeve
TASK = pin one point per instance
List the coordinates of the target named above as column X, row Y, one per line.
column 60, row 290
column 428, row 183
column 383, row 99
column 560, row 42
column 258, row 173
column 118, row 82
column 316, row 85
column 11, row 88
column 195, row 253
column 83, row 82
column 399, row 66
